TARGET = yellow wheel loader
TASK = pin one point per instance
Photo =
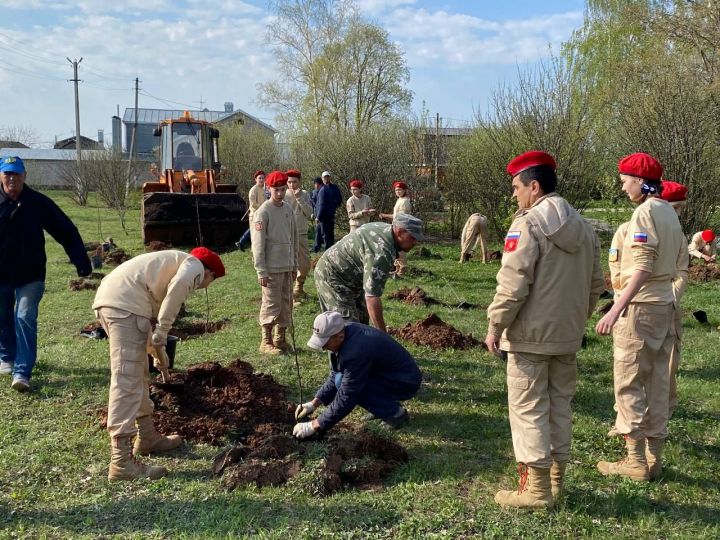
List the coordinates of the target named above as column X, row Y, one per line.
column 186, row 205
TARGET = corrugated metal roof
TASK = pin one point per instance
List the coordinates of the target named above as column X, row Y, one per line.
column 155, row 116
column 44, row 154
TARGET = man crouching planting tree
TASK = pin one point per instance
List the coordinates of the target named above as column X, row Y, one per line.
column 367, row 368
column 547, row 287
column 146, row 288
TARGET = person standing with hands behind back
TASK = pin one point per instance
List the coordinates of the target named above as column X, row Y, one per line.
column 25, row 215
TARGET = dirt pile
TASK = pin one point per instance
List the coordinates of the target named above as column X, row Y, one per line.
column 704, row 272
column 116, row 257
column 415, row 296
column 210, row 402
column 434, row 333
column 191, row 329
column 494, row 255
column 91, row 282
column 346, row 456
column 157, row 245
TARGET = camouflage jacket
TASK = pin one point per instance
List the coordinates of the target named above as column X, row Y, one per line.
column 363, row 259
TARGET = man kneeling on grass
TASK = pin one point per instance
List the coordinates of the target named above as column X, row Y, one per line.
column 367, row 368
column 148, row 287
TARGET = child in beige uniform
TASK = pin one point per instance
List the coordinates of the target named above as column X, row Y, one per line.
column 402, row 206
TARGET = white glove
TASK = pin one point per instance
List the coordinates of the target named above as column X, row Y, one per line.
column 159, row 338
column 303, row 430
column 303, row 410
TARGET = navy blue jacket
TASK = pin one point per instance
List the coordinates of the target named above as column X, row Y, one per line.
column 328, row 199
column 22, row 237
column 366, row 353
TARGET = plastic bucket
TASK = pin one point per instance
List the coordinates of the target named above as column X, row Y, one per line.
column 169, row 349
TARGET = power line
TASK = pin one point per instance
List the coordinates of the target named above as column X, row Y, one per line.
column 28, row 73
column 28, row 55
column 30, row 45
column 104, row 75
column 168, row 101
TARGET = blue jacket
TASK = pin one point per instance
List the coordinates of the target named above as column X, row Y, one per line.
column 328, row 199
column 22, row 237
column 366, row 353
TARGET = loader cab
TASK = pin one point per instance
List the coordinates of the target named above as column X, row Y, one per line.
column 186, row 145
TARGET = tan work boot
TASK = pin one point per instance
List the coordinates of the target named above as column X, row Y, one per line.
column 149, row 441
column 633, row 466
column 653, row 455
column 299, row 290
column 124, row 466
column 534, row 490
column 279, row 340
column 266, row 344
column 557, row 478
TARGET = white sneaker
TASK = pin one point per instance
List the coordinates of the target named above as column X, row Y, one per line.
column 6, row 368
column 21, row 384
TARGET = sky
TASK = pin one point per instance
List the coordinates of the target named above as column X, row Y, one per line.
column 190, row 51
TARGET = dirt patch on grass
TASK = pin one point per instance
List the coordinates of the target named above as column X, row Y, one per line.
column 436, row 334
column 157, row 245
column 494, row 255
column 116, row 257
column 91, row 282
column 415, row 296
column 704, row 272
column 424, row 253
column 192, row 329
column 413, row 271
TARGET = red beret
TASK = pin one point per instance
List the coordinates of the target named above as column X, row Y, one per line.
column 530, row 159
column 210, row 259
column 673, row 192
column 399, row 184
column 641, row 165
column 258, row 173
column 276, row 179
column 707, row 235
column 356, row 183
column 294, row 173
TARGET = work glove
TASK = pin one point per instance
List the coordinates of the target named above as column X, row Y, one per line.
column 84, row 268
column 159, row 338
column 303, row 430
column 162, row 362
column 303, row 410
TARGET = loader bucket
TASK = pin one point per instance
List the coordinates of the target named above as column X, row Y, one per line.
column 184, row 219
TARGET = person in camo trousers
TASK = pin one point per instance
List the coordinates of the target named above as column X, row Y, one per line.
column 275, row 248
column 547, row 288
column 643, row 319
column 151, row 286
column 299, row 201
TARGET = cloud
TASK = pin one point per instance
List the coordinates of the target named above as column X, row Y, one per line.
column 376, row 7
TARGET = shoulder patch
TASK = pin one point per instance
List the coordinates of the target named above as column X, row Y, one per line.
column 511, row 241
column 613, row 255
column 640, row 237
column 258, row 226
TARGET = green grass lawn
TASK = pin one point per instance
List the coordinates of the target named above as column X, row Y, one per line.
column 53, row 454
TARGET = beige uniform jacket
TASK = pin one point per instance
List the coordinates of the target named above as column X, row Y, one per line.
column 654, row 243
column 302, row 209
column 152, row 285
column 549, row 281
column 679, row 282
column 256, row 198
column 402, row 206
column 699, row 247
column 274, row 239
column 355, row 206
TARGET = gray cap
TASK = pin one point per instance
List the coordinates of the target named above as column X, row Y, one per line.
column 411, row 224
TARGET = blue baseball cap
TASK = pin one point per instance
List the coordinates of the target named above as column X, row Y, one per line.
column 12, row 164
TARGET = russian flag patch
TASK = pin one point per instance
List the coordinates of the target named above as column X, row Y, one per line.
column 511, row 241
column 640, row 237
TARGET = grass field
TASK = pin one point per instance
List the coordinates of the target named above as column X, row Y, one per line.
column 53, row 454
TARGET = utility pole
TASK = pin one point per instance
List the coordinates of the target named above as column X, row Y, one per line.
column 134, row 135
column 77, row 105
column 437, row 147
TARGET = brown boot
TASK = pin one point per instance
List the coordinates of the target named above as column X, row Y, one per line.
column 298, row 290
column 266, row 344
column 633, row 466
column 124, row 466
column 534, row 491
column 557, row 478
column 279, row 340
column 149, row 441
column 653, row 454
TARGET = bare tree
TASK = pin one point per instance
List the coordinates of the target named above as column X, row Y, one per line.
column 244, row 150
column 22, row 134
column 79, row 178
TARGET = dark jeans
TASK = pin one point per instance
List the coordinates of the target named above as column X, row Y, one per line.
column 324, row 231
column 18, row 325
column 245, row 239
column 381, row 397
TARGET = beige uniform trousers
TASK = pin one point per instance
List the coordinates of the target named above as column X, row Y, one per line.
column 475, row 231
column 540, row 389
column 277, row 300
column 675, row 362
column 644, row 338
column 128, row 335
column 303, row 255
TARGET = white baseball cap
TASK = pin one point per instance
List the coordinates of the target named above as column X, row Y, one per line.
column 325, row 326
column 325, row 173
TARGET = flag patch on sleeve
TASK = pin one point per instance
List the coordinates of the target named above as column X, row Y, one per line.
column 640, row 237
column 613, row 255
column 258, row 226
column 511, row 241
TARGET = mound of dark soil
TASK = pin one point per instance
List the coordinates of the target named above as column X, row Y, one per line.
column 91, row 282
column 210, row 401
column 415, row 296
column 157, row 245
column 704, row 272
column 495, row 255
column 116, row 257
column 436, row 334
column 192, row 329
